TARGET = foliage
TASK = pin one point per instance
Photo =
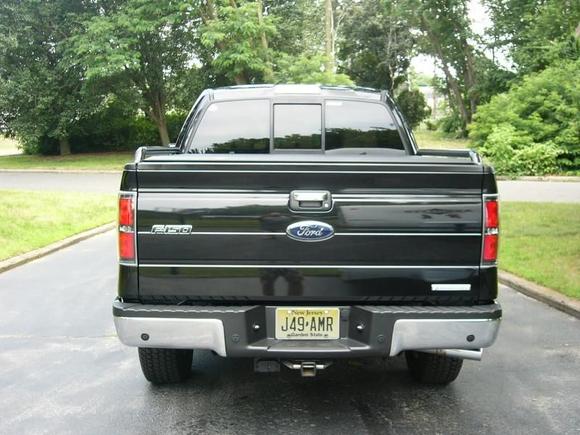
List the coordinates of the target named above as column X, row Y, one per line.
column 234, row 32
column 536, row 121
column 113, row 129
column 514, row 153
column 138, row 44
column 307, row 69
column 376, row 44
column 41, row 95
column 413, row 105
column 536, row 33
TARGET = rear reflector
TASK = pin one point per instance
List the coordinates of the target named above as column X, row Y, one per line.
column 127, row 246
column 127, row 228
column 490, row 231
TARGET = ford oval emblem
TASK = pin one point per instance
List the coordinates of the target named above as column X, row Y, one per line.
column 310, row 231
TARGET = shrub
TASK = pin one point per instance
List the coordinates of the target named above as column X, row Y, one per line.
column 413, row 105
column 110, row 130
column 539, row 120
column 513, row 152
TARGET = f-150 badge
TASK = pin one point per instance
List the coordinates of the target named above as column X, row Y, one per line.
column 171, row 229
column 310, row 231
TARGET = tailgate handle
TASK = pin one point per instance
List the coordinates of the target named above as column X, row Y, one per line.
column 310, row 200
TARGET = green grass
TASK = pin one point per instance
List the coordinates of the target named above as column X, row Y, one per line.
column 31, row 220
column 541, row 242
column 436, row 139
column 101, row 161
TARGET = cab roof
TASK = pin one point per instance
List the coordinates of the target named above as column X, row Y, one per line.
column 287, row 90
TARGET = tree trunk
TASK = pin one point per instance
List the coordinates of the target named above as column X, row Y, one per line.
column 268, row 74
column 63, row 146
column 470, row 78
column 329, row 36
column 452, row 83
column 240, row 79
column 157, row 115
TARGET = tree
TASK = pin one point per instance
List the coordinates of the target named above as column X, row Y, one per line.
column 142, row 44
column 447, row 33
column 236, row 34
column 376, row 43
column 41, row 93
column 535, row 33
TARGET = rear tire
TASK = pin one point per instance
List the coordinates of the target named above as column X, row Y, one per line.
column 430, row 368
column 165, row 366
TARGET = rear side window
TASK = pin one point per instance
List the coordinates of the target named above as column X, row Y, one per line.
column 353, row 124
column 234, row 127
column 297, row 127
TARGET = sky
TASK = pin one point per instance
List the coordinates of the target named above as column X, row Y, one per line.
column 479, row 22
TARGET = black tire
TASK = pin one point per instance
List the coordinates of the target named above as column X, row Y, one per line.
column 430, row 368
column 165, row 366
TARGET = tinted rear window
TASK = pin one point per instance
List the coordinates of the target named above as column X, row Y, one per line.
column 353, row 124
column 297, row 126
column 234, row 127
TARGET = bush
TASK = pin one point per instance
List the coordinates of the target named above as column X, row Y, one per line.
column 538, row 120
column 110, row 130
column 413, row 105
column 513, row 152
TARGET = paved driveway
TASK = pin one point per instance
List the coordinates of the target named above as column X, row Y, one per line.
column 535, row 191
column 63, row 371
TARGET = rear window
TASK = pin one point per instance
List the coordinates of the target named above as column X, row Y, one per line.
column 353, row 124
column 297, row 127
column 244, row 127
column 234, row 127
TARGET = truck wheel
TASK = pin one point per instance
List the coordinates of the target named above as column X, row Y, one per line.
column 430, row 368
column 165, row 366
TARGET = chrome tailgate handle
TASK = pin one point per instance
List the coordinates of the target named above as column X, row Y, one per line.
column 310, row 200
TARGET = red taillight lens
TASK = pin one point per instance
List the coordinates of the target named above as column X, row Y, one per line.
column 127, row 228
column 491, row 214
column 126, row 210
column 490, row 231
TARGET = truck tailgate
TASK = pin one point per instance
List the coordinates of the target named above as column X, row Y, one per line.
column 402, row 231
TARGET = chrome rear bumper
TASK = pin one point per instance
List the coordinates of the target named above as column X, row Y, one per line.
column 230, row 331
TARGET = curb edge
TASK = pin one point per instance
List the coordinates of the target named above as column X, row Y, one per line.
column 12, row 262
column 543, row 294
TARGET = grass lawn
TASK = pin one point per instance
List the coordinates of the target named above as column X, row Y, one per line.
column 100, row 161
column 437, row 139
column 541, row 242
column 31, row 220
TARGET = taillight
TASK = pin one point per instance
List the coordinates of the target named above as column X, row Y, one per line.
column 127, row 227
column 490, row 230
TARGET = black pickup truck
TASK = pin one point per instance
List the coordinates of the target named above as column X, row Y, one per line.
column 298, row 224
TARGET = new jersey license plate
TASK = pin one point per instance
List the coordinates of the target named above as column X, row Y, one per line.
column 313, row 323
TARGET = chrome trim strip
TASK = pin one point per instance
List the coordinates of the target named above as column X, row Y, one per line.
column 172, row 333
column 300, row 266
column 421, row 334
column 262, row 233
column 450, row 287
column 247, row 193
column 252, row 171
column 269, row 163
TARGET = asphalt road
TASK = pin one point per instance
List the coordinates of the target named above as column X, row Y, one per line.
column 534, row 191
column 62, row 370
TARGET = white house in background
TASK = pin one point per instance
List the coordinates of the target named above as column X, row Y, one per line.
column 433, row 99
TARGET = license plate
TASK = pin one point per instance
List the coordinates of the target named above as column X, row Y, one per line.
column 313, row 323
